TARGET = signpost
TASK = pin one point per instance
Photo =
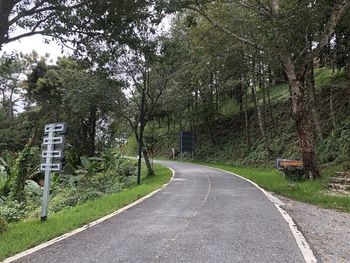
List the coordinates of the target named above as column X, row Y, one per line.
column 52, row 155
column 186, row 143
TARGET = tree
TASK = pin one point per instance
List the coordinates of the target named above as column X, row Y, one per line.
column 69, row 92
column 35, row 17
column 71, row 21
column 145, row 74
column 276, row 33
column 12, row 68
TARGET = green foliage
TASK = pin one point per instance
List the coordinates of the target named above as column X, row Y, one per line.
column 57, row 91
column 9, row 135
column 336, row 147
column 25, row 234
column 131, row 146
column 7, row 173
column 294, row 174
column 33, row 188
column 3, row 177
column 65, row 198
column 27, row 166
column 13, row 211
column 326, row 78
column 94, row 178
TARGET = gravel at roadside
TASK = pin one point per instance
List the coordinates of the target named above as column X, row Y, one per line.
column 327, row 230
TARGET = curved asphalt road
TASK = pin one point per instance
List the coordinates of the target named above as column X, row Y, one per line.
column 203, row 215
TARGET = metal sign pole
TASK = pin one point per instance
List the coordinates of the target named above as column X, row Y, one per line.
column 47, row 179
column 52, row 159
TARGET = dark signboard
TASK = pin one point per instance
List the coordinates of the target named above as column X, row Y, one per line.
column 186, row 142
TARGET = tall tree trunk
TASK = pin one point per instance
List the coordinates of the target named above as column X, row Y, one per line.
column 302, row 120
column 262, row 87
column 142, row 151
column 11, row 104
column 272, row 77
column 216, row 98
column 139, row 152
column 348, row 62
column 5, row 9
column 332, row 109
column 311, row 95
column 261, row 123
column 168, row 123
column 246, row 117
column 272, row 120
column 148, row 162
column 92, row 131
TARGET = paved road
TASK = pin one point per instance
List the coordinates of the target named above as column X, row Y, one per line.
column 203, row 215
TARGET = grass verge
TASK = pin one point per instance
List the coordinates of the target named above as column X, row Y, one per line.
column 308, row 192
column 26, row 234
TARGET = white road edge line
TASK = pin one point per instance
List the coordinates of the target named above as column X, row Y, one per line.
column 87, row 226
column 302, row 243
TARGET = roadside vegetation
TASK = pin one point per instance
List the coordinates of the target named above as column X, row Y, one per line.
column 30, row 232
column 230, row 151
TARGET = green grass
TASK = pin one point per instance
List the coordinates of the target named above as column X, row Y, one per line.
column 278, row 94
column 312, row 192
column 26, row 234
column 326, row 77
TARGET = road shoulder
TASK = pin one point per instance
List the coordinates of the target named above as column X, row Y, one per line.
column 327, row 230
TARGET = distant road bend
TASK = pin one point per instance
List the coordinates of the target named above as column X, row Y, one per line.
column 203, row 215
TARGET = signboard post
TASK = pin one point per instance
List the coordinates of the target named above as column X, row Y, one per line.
column 186, row 143
column 52, row 154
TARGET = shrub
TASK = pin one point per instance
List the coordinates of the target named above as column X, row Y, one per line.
column 65, row 198
column 336, row 147
column 13, row 211
column 89, row 194
column 27, row 164
column 126, row 169
column 294, row 174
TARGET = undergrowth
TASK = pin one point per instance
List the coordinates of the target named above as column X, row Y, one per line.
column 28, row 233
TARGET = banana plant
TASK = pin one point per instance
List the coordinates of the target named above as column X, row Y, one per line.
column 34, row 187
column 89, row 166
column 7, row 172
column 3, row 182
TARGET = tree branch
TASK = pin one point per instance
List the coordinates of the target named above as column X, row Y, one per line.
column 337, row 12
column 36, row 10
column 28, row 34
column 223, row 28
column 259, row 7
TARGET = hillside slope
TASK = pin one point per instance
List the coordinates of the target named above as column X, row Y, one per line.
column 230, row 143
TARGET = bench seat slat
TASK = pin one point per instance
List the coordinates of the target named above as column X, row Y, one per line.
column 285, row 163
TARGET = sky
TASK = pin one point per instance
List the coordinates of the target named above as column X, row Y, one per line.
column 27, row 45
column 37, row 43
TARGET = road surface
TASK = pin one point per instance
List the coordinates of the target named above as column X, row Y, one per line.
column 203, row 215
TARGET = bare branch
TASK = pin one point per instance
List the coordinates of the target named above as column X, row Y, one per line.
column 223, row 28
column 337, row 12
column 31, row 33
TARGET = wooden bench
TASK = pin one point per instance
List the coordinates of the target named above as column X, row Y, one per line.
column 290, row 167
